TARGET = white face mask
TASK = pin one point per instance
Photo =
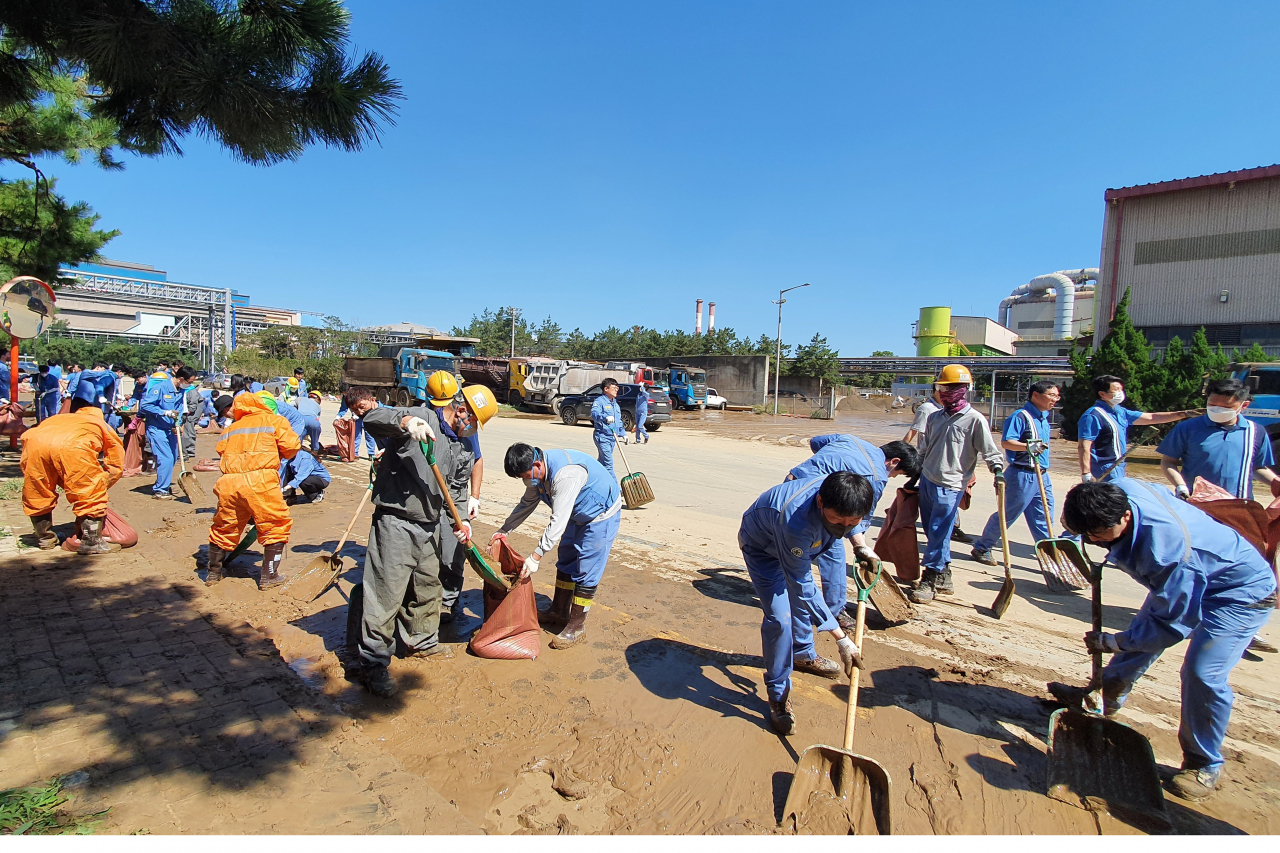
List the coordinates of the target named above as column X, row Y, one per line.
column 1117, row 398
column 1222, row 414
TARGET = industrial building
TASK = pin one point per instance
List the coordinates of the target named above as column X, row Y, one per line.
column 1050, row 312
column 1196, row 252
column 938, row 333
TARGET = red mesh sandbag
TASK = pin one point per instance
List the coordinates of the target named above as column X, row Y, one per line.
column 133, row 448
column 510, row 630
column 897, row 541
column 114, row 529
column 1248, row 518
column 346, row 432
column 11, row 417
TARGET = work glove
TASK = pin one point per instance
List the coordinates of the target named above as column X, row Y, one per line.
column 463, row 532
column 850, row 654
column 999, row 476
column 473, row 507
column 419, row 430
column 1100, row 641
column 530, row 566
column 1086, row 478
column 1035, row 447
column 171, row 414
column 864, row 552
column 1182, row 493
column 609, row 419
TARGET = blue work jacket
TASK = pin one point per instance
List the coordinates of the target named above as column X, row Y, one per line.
column 293, row 416
column 837, row 452
column 1226, row 456
column 1024, row 425
column 300, row 467
column 160, row 397
column 601, row 409
column 786, row 523
column 1107, row 426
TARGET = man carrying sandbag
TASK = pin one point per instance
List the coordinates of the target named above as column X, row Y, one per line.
column 586, row 507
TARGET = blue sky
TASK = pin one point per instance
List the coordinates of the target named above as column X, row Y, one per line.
column 608, row 163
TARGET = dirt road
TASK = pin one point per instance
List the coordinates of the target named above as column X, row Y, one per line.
column 658, row 722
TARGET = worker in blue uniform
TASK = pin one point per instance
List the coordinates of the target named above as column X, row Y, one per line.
column 296, row 420
column 838, row 452
column 606, row 417
column 1025, row 435
column 1207, row 584
column 302, row 383
column 160, row 407
column 73, row 380
column 309, row 407
column 788, row 527
column 586, row 507
column 303, row 473
column 642, row 413
column 49, row 390
column 97, row 386
column 1104, row 427
column 1221, row 446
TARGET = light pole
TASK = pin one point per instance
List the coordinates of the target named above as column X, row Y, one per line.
column 777, row 362
column 515, row 312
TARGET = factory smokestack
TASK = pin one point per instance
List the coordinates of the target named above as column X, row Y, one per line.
column 697, row 319
column 711, row 318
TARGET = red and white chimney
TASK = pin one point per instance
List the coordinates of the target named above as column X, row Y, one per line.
column 697, row 319
column 711, row 318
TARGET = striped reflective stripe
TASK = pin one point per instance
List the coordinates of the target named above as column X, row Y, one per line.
column 249, row 430
column 1246, row 462
column 1116, row 438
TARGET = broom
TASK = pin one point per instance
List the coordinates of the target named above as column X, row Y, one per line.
column 487, row 573
column 635, row 487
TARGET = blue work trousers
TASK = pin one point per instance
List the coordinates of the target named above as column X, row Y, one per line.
column 604, row 447
column 371, row 444
column 48, row 407
column 163, row 442
column 584, row 549
column 1216, row 646
column 312, row 432
column 786, row 615
column 1021, row 498
column 939, row 509
column 642, row 414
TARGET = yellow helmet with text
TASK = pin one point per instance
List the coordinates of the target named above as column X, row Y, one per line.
column 481, row 401
column 442, row 387
column 955, row 374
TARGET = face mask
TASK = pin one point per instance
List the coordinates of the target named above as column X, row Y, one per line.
column 954, row 399
column 1117, row 398
column 1222, row 414
column 837, row 530
column 535, row 481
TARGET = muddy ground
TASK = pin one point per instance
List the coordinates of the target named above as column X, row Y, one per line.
column 658, row 723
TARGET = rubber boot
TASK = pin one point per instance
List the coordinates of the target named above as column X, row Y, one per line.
column 378, row 681
column 216, row 556
column 575, row 630
column 923, row 593
column 558, row 613
column 272, row 558
column 91, row 538
column 45, row 537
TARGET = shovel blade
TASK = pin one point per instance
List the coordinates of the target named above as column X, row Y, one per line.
column 487, row 573
column 190, row 486
column 315, row 577
column 837, row 792
column 1061, row 571
column 250, row 536
column 1004, row 597
column 1094, row 761
column 636, row 491
column 889, row 599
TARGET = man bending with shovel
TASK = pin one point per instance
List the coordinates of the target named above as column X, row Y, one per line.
column 1206, row 582
column 402, row 590
column 786, row 529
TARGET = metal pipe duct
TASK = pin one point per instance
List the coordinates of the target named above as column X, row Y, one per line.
column 1062, row 287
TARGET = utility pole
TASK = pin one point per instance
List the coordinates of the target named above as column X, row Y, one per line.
column 515, row 312
column 777, row 362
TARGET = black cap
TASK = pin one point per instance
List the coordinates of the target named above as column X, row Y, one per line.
column 222, row 404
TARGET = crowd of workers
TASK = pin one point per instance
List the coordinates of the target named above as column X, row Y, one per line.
column 1206, row 582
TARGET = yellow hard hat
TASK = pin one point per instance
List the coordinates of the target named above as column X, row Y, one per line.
column 955, row 374
column 293, row 383
column 482, row 402
column 159, row 374
column 442, row 387
column 270, row 401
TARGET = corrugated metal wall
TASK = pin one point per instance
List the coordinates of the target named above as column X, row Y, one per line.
column 1179, row 250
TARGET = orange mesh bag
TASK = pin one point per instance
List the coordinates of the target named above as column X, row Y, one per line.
column 510, row 630
column 114, row 529
column 133, row 447
column 345, row 430
column 1248, row 518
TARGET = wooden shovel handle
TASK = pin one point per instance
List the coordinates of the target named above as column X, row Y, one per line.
column 347, row 532
column 1044, row 497
column 618, row 444
column 851, row 713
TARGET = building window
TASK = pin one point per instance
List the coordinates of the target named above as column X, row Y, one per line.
column 1208, row 247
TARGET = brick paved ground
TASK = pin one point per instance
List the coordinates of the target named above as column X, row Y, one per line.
column 183, row 723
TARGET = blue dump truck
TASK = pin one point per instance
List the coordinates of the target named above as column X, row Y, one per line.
column 398, row 376
column 1263, row 379
column 687, row 386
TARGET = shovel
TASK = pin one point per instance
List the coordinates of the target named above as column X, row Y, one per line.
column 186, row 480
column 1096, row 762
column 487, row 573
column 250, row 536
column 635, row 487
column 835, row 791
column 319, row 574
column 1060, row 574
column 1005, row 596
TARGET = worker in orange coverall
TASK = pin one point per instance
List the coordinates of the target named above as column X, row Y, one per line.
column 64, row 450
column 249, row 489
